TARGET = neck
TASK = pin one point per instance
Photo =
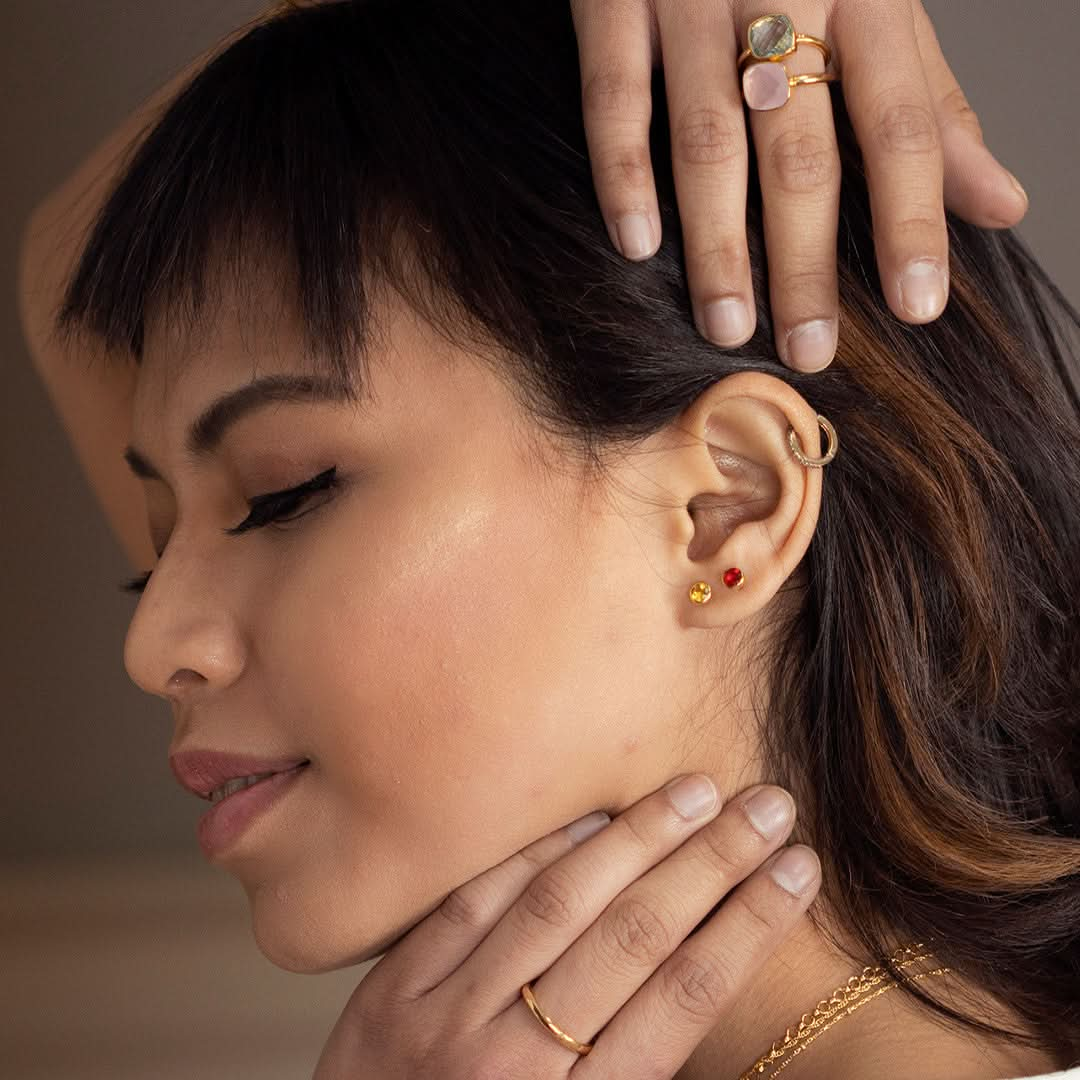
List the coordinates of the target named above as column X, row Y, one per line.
column 802, row 971
column 890, row 1036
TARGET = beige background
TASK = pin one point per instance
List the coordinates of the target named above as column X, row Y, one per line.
column 124, row 954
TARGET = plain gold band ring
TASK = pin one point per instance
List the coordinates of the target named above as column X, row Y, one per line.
column 566, row 1040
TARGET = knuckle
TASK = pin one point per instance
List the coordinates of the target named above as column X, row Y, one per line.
column 906, row 127
column 634, row 931
column 610, row 92
column 803, row 161
column 810, row 286
column 957, row 110
column 723, row 261
column 758, row 923
column 533, row 858
column 706, row 136
column 918, row 226
column 631, row 830
column 629, row 167
column 552, row 899
column 724, row 856
column 699, row 985
column 467, row 907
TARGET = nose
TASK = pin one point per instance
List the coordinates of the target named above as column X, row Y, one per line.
column 183, row 642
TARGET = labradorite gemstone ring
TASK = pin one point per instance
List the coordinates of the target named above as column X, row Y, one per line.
column 766, row 83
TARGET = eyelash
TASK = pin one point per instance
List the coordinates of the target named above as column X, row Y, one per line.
column 264, row 510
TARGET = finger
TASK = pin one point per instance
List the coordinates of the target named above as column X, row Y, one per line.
column 664, row 1022
column 614, row 47
column 648, row 921
column 438, row 944
column 799, row 167
column 562, row 902
column 709, row 158
column 977, row 186
column 896, row 127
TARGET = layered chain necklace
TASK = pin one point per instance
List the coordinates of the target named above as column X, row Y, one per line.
column 843, row 1001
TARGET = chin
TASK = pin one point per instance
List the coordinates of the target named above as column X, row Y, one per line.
column 310, row 939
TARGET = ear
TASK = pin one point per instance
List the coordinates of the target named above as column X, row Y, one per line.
column 741, row 499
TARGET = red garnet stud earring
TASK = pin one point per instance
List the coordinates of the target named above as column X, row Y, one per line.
column 701, row 591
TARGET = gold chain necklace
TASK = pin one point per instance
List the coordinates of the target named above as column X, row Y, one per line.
column 855, row 993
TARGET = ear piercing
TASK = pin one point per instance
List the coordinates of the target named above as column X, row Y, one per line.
column 701, row 591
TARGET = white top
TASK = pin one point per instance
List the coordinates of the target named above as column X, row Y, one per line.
column 1068, row 1074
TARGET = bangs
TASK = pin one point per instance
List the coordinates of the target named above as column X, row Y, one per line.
column 330, row 148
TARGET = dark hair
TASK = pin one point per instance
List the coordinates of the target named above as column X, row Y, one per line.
column 925, row 697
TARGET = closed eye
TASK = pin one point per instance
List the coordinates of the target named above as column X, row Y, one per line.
column 274, row 507
column 264, row 509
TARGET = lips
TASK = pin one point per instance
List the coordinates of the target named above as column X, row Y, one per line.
column 201, row 771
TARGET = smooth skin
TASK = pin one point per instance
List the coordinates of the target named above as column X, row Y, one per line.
column 920, row 139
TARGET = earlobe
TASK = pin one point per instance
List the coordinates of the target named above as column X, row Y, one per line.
column 701, row 591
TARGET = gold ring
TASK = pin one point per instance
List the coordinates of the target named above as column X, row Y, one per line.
column 815, row 463
column 769, row 40
column 566, row 1040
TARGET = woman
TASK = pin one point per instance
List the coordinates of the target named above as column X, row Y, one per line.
column 532, row 547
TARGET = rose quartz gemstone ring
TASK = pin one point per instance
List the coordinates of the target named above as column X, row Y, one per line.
column 766, row 84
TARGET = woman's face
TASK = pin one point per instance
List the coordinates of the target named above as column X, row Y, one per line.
column 472, row 646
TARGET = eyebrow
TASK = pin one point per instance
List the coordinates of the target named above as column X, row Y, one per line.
column 206, row 432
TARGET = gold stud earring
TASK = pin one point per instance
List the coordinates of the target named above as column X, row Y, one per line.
column 701, row 591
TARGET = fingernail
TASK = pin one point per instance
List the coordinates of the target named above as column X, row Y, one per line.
column 795, row 868
column 635, row 236
column 922, row 289
column 693, row 796
column 812, row 345
column 727, row 321
column 770, row 811
column 584, row 827
column 1016, row 184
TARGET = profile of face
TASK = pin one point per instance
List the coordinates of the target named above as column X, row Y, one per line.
column 471, row 641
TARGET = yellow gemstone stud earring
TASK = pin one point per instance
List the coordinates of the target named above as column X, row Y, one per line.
column 701, row 591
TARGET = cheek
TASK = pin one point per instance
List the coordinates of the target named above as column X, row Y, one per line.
column 464, row 684
column 448, row 658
